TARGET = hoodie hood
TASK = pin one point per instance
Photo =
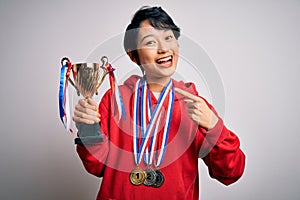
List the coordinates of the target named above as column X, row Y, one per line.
column 131, row 81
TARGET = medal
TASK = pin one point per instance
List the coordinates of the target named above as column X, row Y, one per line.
column 159, row 179
column 150, row 177
column 137, row 176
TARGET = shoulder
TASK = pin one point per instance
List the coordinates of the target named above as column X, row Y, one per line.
column 187, row 86
column 126, row 89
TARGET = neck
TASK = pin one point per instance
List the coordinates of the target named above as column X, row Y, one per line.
column 157, row 85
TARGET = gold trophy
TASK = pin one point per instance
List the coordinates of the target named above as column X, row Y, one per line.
column 87, row 79
column 87, row 76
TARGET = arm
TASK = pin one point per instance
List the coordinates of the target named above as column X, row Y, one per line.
column 225, row 160
column 220, row 148
column 93, row 157
column 92, row 144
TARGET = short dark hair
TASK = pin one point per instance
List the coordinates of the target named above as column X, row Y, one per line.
column 157, row 17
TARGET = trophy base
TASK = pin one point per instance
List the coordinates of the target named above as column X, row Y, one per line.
column 89, row 134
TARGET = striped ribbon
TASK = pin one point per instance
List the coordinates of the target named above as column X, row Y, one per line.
column 116, row 92
column 64, row 106
column 149, row 132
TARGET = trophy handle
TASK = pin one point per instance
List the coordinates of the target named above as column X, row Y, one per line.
column 64, row 59
column 104, row 60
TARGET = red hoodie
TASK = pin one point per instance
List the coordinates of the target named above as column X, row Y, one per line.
column 113, row 158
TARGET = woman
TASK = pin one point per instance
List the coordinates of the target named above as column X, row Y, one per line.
column 153, row 154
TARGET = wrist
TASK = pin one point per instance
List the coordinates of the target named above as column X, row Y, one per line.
column 213, row 122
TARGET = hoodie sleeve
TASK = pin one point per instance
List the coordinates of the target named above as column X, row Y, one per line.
column 93, row 155
column 220, row 150
column 225, row 160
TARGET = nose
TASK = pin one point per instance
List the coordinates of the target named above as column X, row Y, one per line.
column 163, row 47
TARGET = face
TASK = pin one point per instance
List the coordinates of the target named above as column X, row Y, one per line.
column 157, row 52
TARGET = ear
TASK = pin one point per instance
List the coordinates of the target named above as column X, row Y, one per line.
column 131, row 56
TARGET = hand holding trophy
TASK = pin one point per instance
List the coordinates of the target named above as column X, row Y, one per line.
column 88, row 77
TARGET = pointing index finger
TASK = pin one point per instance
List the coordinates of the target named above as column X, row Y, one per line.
column 187, row 94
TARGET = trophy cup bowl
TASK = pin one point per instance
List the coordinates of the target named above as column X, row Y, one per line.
column 88, row 77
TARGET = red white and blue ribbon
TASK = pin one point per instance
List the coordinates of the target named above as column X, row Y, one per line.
column 64, row 106
column 149, row 132
column 115, row 91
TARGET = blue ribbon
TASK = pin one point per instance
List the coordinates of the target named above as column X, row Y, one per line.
column 61, row 97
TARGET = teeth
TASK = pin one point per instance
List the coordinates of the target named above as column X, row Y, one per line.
column 164, row 59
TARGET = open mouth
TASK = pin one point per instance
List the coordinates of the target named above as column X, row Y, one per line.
column 165, row 60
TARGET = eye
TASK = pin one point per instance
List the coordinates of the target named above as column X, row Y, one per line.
column 169, row 37
column 150, row 42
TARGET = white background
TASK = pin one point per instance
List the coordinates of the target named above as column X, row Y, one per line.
column 255, row 46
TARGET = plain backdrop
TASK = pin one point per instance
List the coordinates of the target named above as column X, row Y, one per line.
column 254, row 45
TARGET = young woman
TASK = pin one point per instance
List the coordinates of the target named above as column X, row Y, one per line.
column 153, row 152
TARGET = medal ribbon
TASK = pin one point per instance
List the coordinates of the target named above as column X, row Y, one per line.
column 154, row 118
column 166, row 131
column 149, row 158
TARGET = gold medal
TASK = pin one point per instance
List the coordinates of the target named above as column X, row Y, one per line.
column 137, row 176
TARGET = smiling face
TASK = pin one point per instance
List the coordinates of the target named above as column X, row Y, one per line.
column 157, row 54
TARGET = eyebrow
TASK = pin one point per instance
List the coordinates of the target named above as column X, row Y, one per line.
column 150, row 35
